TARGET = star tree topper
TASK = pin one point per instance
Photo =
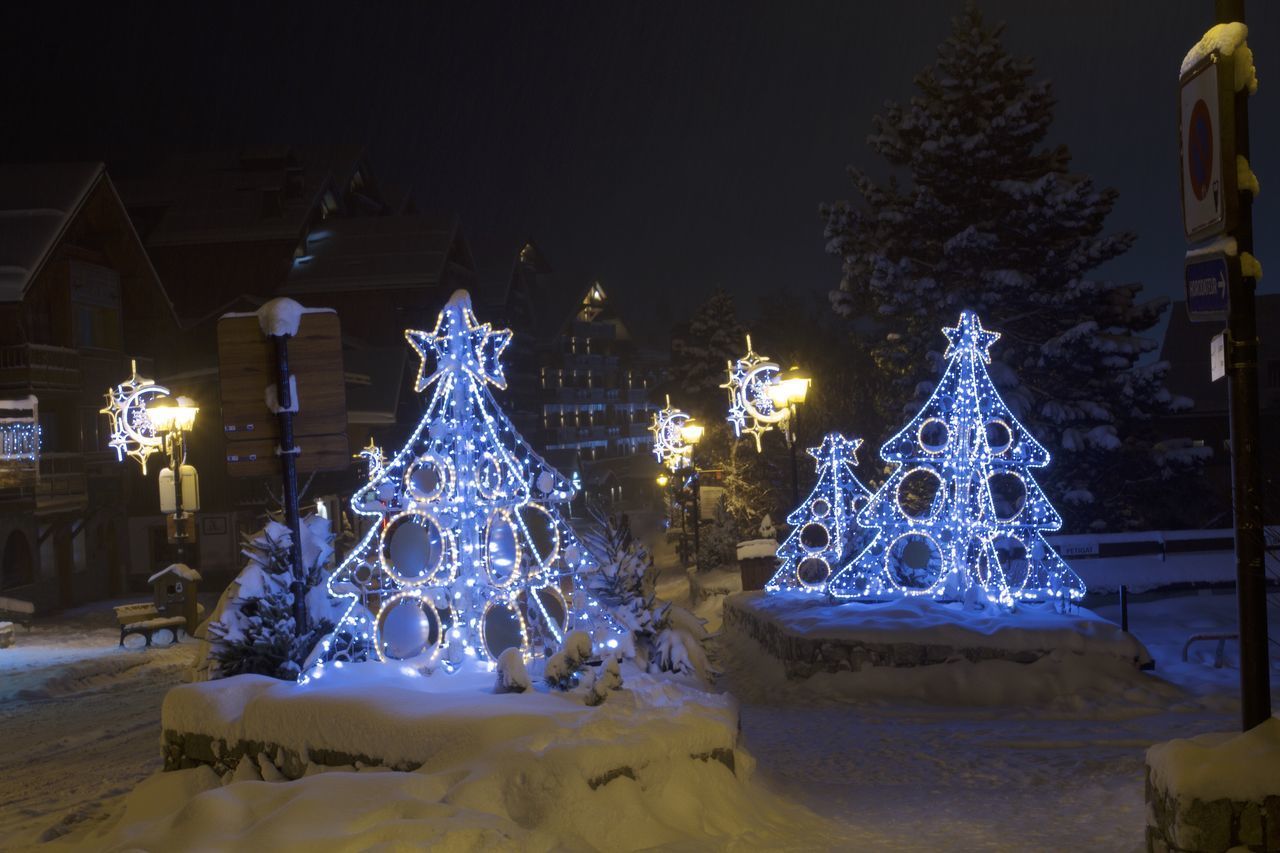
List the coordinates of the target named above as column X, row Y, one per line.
column 459, row 342
column 968, row 335
column 836, row 446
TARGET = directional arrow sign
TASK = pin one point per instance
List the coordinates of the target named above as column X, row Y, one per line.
column 1208, row 278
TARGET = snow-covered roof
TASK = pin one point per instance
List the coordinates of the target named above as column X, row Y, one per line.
column 182, row 570
column 37, row 203
column 376, row 253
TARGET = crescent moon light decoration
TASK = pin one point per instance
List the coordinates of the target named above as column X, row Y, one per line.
column 750, row 409
column 132, row 433
column 668, row 446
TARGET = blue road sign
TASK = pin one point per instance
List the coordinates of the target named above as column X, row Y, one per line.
column 1206, row 279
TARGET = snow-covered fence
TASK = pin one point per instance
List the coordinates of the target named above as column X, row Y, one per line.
column 1145, row 560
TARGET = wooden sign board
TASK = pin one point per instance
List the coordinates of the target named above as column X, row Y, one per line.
column 247, row 366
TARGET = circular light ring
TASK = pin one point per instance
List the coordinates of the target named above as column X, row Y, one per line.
column 931, row 576
column 933, row 448
column 820, row 507
column 1012, row 578
column 445, row 474
column 134, row 423
column 813, row 583
column 514, row 610
column 432, row 650
column 1026, row 494
column 443, row 563
column 366, row 577
column 505, row 516
column 1003, row 424
column 533, row 600
column 810, row 531
column 753, row 392
column 489, row 477
column 542, row 561
column 935, row 505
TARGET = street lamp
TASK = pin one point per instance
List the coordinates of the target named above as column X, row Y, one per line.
column 787, row 394
column 691, row 433
column 173, row 422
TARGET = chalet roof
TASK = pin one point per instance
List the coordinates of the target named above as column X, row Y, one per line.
column 252, row 193
column 37, row 204
column 374, row 382
column 377, row 252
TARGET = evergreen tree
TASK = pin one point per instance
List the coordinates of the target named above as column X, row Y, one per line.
column 700, row 353
column 990, row 219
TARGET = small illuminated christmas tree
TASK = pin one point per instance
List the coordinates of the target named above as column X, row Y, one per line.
column 468, row 555
column 961, row 514
column 824, row 532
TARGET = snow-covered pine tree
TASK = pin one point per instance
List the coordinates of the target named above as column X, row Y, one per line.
column 253, row 629
column 660, row 635
column 699, row 354
column 990, row 219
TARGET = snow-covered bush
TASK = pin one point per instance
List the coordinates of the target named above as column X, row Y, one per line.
column 513, row 677
column 253, row 629
column 661, row 635
column 563, row 669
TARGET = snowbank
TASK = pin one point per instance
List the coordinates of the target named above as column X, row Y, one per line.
column 1244, row 767
column 380, row 716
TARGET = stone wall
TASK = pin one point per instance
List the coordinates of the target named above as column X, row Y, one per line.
column 1196, row 826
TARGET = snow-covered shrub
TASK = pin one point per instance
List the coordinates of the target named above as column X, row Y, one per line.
column 563, row 669
column 609, row 679
column 512, row 675
column 718, row 541
column 661, row 635
column 253, row 629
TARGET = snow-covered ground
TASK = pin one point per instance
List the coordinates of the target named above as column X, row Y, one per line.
column 965, row 756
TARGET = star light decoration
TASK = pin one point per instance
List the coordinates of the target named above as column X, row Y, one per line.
column 669, row 445
column 459, row 342
column 468, row 554
column 961, row 514
column 132, row 433
column 751, row 411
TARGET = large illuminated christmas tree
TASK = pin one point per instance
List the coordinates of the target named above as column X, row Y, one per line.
column 961, row 514
column 824, row 529
column 468, row 554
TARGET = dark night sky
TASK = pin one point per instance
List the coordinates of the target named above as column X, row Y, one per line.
column 663, row 148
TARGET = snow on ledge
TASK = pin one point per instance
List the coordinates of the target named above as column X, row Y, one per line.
column 443, row 721
column 757, row 548
column 1227, row 40
column 182, row 570
column 921, row 621
column 280, row 317
column 1240, row 767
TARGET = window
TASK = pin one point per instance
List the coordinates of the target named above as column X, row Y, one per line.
column 95, row 306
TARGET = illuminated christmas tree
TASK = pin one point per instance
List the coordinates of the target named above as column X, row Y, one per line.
column 824, row 531
column 961, row 513
column 468, row 555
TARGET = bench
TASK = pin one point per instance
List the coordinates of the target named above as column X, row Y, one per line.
column 144, row 620
column 17, row 610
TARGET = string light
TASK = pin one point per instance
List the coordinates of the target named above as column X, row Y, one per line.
column 824, row 530
column 468, row 553
column 957, row 446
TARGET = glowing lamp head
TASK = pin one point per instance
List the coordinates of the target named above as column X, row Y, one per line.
column 791, row 388
column 663, row 479
column 691, row 432
column 168, row 418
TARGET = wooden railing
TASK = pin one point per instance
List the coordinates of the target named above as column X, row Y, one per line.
column 39, row 366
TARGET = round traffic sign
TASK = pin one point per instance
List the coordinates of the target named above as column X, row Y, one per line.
column 1200, row 149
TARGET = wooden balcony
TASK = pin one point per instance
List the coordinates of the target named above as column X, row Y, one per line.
column 60, row 485
column 38, row 366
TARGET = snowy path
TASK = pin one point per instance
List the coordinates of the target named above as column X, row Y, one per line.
column 79, row 720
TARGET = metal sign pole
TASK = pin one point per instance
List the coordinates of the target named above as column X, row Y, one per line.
column 1246, row 461
column 288, row 460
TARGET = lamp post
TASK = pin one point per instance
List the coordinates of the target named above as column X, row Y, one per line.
column 788, row 393
column 173, row 422
column 691, row 434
